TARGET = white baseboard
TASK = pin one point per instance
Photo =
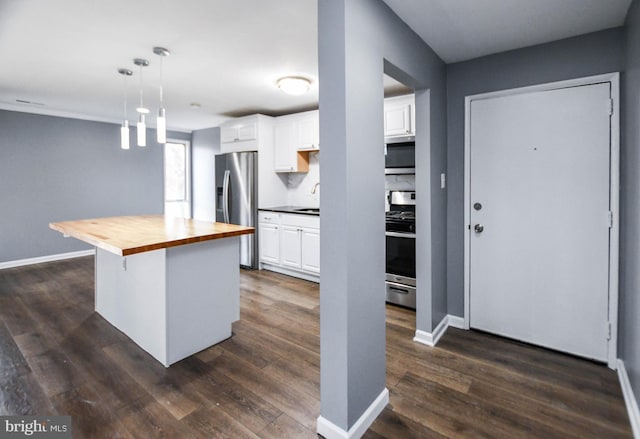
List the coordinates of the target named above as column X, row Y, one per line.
column 629, row 399
column 329, row 430
column 431, row 338
column 290, row 272
column 456, row 322
column 50, row 258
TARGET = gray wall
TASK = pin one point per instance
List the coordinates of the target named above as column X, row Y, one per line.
column 358, row 40
column 56, row 169
column 629, row 335
column 205, row 144
column 591, row 54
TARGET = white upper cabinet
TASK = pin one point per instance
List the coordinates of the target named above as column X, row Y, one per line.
column 309, row 131
column 295, row 136
column 285, row 140
column 399, row 116
column 241, row 134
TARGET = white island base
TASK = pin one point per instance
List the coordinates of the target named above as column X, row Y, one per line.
column 172, row 302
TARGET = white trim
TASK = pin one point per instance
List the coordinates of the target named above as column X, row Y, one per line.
column 287, row 272
column 629, row 399
column 456, row 322
column 614, row 232
column 432, row 338
column 25, row 108
column 329, row 430
column 614, row 79
column 188, row 183
column 50, row 258
column 424, row 337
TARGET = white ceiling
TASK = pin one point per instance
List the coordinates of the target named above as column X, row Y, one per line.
column 459, row 30
column 226, row 55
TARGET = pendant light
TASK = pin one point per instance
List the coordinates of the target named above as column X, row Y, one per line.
column 141, row 127
column 124, row 129
column 161, row 121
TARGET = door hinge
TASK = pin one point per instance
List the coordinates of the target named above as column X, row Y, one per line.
column 610, row 219
column 610, row 106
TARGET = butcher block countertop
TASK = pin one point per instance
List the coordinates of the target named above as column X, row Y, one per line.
column 128, row 235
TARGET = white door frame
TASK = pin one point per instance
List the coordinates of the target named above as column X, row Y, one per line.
column 614, row 233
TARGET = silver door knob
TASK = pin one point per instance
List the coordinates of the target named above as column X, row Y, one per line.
column 478, row 228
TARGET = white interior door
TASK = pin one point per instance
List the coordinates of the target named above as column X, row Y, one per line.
column 539, row 195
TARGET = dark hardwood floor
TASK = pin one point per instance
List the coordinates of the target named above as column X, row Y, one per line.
column 59, row 357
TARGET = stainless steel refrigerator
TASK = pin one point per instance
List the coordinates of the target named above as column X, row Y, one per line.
column 237, row 198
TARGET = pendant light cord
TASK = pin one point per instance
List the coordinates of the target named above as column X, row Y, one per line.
column 161, row 82
column 141, row 90
column 125, row 97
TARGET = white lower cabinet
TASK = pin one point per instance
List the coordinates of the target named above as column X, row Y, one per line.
column 291, row 249
column 269, row 243
column 310, row 250
column 290, row 244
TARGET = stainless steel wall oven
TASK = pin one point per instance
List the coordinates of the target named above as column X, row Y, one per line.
column 401, row 249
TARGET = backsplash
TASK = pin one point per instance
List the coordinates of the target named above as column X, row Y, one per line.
column 401, row 182
column 300, row 185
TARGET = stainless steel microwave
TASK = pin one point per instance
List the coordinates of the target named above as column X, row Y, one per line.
column 400, row 155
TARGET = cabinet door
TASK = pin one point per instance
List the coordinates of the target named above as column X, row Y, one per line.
column 308, row 132
column 269, row 243
column 310, row 248
column 228, row 134
column 397, row 120
column 285, row 137
column 239, row 132
column 248, row 131
column 290, row 246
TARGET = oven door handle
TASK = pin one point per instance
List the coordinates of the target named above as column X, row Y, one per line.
column 400, row 235
column 401, row 288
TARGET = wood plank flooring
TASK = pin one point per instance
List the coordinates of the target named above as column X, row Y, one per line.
column 57, row 356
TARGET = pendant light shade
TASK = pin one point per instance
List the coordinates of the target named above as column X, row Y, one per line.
column 124, row 129
column 161, row 126
column 141, row 131
column 124, row 135
column 141, row 127
column 161, row 121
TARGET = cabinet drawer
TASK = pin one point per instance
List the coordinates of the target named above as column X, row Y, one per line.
column 268, row 217
column 295, row 220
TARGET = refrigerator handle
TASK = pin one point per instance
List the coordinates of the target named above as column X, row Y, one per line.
column 225, row 195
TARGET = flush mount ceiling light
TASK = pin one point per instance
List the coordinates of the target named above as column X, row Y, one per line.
column 161, row 121
column 294, row 85
column 124, row 129
column 141, row 127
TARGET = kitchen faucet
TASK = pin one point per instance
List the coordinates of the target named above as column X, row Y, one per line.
column 315, row 188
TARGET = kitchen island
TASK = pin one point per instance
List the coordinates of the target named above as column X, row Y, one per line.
column 172, row 285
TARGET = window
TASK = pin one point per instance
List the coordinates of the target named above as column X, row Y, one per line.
column 176, row 179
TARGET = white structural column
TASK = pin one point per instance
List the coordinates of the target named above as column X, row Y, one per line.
column 358, row 41
column 352, row 292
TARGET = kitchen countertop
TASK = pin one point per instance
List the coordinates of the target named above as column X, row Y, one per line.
column 127, row 235
column 292, row 209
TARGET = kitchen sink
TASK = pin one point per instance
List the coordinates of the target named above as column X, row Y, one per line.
column 308, row 209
